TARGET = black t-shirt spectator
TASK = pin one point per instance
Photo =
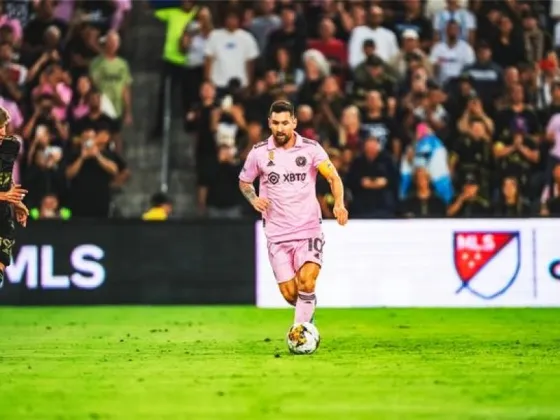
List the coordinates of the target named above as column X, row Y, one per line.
column 98, row 13
column 205, row 149
column 422, row 26
column 384, row 85
column 515, row 164
column 222, row 182
column 473, row 157
column 78, row 46
column 307, row 94
column 510, row 120
column 18, row 9
column 414, row 206
column 35, row 30
column 510, row 54
column 90, row 191
column 487, row 81
column 522, row 208
column 294, row 42
column 476, row 207
column 40, row 180
column 370, row 202
column 384, row 129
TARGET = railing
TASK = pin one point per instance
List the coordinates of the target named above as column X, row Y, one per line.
column 164, row 181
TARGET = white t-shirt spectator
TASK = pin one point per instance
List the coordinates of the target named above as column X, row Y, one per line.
column 465, row 19
column 451, row 59
column 197, row 50
column 557, row 34
column 386, row 45
column 555, row 9
column 433, row 7
column 230, row 52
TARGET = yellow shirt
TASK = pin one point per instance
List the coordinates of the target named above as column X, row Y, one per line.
column 155, row 214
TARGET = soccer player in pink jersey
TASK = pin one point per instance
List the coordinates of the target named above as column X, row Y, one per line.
column 287, row 165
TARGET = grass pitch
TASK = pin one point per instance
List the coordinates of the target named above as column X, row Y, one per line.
column 232, row 363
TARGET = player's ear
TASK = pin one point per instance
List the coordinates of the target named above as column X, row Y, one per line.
column 294, row 121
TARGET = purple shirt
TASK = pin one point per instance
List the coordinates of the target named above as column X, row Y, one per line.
column 287, row 178
column 554, row 127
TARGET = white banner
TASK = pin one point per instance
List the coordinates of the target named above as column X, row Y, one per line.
column 431, row 263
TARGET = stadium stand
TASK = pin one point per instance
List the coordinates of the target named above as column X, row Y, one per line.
column 428, row 108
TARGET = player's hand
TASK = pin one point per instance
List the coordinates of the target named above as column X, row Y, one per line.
column 21, row 213
column 340, row 213
column 15, row 194
column 260, row 204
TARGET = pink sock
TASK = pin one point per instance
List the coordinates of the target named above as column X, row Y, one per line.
column 305, row 307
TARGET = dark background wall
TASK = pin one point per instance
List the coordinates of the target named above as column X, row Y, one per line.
column 134, row 262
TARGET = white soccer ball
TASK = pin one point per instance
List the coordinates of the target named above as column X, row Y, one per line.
column 303, row 338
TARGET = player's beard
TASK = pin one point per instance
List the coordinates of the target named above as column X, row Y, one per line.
column 282, row 138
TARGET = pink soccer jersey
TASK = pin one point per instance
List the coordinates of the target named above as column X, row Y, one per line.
column 287, row 178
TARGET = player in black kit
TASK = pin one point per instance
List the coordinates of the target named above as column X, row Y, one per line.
column 11, row 195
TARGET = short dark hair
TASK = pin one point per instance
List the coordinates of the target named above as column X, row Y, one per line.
column 159, row 199
column 282, row 106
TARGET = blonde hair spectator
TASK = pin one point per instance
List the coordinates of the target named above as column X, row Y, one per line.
column 320, row 61
column 349, row 129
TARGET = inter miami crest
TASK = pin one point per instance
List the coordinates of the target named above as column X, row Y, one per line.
column 487, row 262
column 301, row 161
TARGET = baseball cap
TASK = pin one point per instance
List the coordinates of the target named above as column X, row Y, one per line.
column 410, row 33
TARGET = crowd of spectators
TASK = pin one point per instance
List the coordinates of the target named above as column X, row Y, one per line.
column 427, row 108
column 68, row 93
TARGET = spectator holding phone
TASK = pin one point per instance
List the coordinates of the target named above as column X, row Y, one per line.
column 90, row 170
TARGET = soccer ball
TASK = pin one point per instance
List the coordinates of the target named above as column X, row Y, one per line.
column 303, row 338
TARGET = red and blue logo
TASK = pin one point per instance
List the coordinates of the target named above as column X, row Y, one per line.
column 487, row 263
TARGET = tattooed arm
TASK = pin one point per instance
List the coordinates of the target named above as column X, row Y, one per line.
column 249, row 173
column 248, row 191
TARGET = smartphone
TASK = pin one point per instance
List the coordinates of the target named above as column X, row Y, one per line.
column 41, row 130
column 227, row 102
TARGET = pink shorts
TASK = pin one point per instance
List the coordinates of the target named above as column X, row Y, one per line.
column 286, row 258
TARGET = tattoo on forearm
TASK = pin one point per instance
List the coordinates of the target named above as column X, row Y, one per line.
column 248, row 192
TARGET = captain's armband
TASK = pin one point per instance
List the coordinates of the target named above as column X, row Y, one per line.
column 327, row 169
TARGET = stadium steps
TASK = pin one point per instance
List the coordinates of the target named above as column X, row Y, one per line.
column 142, row 47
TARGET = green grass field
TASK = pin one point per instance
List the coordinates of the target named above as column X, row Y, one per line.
column 232, row 363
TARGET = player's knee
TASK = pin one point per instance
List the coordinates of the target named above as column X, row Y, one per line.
column 307, row 284
column 307, row 278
